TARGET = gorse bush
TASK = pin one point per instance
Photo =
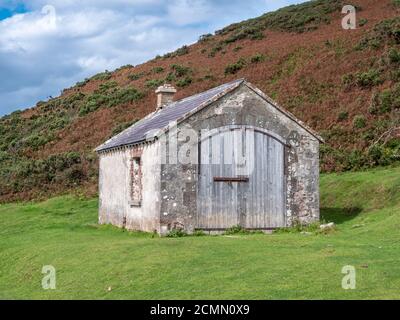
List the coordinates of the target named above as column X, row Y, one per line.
column 362, row 22
column 127, row 66
column 394, row 56
column 37, row 140
column 135, row 76
column 385, row 32
column 171, row 77
column 21, row 134
column 93, row 102
column 123, row 96
column 109, row 96
column 180, row 71
column 259, row 57
column 367, row 79
column 296, row 18
column 158, row 70
column 252, row 33
column 182, row 51
column 103, row 76
column 353, row 160
column 179, row 74
column 81, row 84
column 179, row 52
column 181, row 83
column 348, row 80
column 385, row 101
column 235, row 67
column 106, row 87
column 344, row 115
column 395, row 75
column 383, row 155
column 215, row 50
column 205, row 37
column 22, row 175
column 154, row 83
column 359, row 122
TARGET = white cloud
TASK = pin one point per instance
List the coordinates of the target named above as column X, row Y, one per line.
column 43, row 51
column 184, row 12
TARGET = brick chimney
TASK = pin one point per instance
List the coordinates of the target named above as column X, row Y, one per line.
column 165, row 95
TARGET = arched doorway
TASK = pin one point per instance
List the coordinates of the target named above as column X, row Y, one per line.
column 241, row 179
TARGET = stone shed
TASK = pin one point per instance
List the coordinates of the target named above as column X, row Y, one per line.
column 228, row 156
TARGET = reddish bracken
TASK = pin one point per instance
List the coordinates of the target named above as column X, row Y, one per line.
column 302, row 71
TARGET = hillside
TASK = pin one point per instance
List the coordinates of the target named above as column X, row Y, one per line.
column 344, row 84
column 101, row 262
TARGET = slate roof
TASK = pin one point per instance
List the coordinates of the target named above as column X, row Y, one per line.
column 147, row 127
column 152, row 125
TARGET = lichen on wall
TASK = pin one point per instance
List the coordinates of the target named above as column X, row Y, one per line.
column 245, row 107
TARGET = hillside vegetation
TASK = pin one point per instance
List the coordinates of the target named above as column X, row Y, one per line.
column 102, row 262
column 344, row 84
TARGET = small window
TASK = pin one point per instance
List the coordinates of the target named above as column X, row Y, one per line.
column 136, row 182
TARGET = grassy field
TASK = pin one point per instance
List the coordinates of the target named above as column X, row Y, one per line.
column 107, row 263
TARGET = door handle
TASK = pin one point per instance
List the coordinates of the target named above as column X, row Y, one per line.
column 231, row 179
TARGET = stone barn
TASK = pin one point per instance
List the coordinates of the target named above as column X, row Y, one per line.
column 228, row 156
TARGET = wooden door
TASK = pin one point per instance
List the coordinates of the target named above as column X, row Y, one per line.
column 241, row 180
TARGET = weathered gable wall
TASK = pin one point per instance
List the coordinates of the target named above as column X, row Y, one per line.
column 116, row 205
column 113, row 187
column 245, row 107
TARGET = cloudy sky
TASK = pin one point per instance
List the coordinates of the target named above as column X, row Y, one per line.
column 48, row 45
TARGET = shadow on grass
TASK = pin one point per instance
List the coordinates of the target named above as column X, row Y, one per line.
column 339, row 215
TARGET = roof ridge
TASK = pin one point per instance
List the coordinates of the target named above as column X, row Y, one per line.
column 204, row 92
column 156, row 117
column 158, row 122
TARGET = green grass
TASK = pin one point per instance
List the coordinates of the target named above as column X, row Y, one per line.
column 89, row 259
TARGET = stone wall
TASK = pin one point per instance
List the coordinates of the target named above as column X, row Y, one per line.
column 169, row 190
column 245, row 107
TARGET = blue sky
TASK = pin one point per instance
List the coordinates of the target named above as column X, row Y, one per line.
column 10, row 8
column 48, row 45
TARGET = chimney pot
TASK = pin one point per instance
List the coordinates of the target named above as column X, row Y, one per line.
column 165, row 95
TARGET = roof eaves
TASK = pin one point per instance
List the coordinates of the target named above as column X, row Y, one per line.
column 136, row 143
column 102, row 148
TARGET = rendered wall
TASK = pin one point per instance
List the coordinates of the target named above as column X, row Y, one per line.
column 116, row 206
